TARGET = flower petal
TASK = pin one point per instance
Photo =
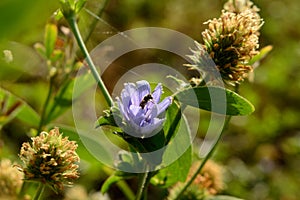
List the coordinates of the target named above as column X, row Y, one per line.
column 143, row 88
column 154, row 111
column 125, row 97
column 153, row 128
column 157, row 93
column 136, row 114
column 127, row 94
column 131, row 91
column 141, row 121
column 122, row 109
column 162, row 106
column 150, row 114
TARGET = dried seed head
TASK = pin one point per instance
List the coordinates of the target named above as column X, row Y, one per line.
column 210, row 178
column 208, row 182
column 50, row 159
column 191, row 193
column 10, row 180
column 232, row 40
column 238, row 6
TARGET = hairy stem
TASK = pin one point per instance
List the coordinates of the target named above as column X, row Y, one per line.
column 74, row 27
column 143, row 185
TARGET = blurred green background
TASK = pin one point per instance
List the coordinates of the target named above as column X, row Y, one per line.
column 260, row 152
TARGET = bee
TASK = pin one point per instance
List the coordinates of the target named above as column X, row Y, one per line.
column 145, row 100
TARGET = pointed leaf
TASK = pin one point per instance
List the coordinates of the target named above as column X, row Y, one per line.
column 28, row 115
column 107, row 119
column 173, row 117
column 56, row 55
column 175, row 172
column 66, row 95
column 178, row 154
column 262, row 53
column 213, row 99
column 79, row 5
column 9, row 107
column 14, row 107
column 50, row 38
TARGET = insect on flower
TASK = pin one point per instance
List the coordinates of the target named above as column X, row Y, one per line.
column 146, row 99
column 142, row 110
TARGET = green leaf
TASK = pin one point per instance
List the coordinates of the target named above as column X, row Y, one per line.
column 79, row 5
column 20, row 65
column 56, row 55
column 262, row 53
column 28, row 115
column 105, row 120
column 108, row 119
column 175, row 172
column 14, row 107
column 153, row 143
column 9, row 72
column 146, row 145
column 66, row 95
column 173, row 116
column 178, row 154
column 221, row 197
column 213, row 99
column 50, row 39
column 9, row 107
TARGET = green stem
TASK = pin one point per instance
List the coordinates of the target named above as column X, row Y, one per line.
column 62, row 91
column 143, row 185
column 74, row 27
column 189, row 182
column 123, row 186
column 39, row 192
column 43, row 115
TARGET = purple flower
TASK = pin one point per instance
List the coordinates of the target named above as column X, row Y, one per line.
column 140, row 109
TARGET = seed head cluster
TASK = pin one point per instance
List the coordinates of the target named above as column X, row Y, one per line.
column 10, row 180
column 232, row 40
column 210, row 179
column 208, row 182
column 50, row 159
